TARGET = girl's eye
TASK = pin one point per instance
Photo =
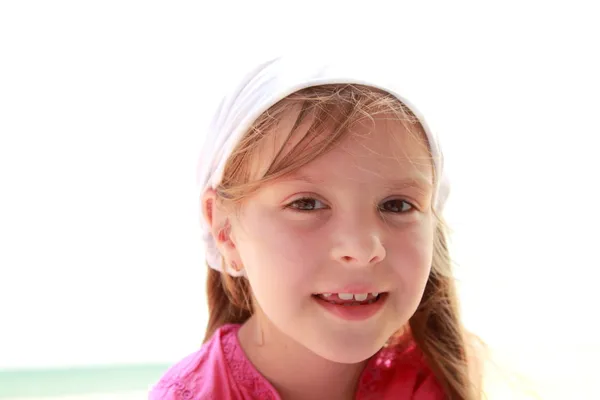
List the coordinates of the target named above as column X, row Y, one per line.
column 307, row 204
column 396, row 206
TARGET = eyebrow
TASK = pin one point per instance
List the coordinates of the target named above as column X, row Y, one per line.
column 301, row 178
column 415, row 182
column 394, row 184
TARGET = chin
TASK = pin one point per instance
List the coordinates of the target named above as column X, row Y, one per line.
column 351, row 349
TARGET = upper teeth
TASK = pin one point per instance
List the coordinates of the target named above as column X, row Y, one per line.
column 355, row 296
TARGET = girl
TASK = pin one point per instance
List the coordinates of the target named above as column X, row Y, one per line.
column 329, row 273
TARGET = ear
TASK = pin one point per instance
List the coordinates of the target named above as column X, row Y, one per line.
column 219, row 221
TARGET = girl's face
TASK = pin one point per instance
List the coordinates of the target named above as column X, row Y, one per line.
column 354, row 223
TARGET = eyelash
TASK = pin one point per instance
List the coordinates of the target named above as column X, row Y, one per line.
column 310, row 199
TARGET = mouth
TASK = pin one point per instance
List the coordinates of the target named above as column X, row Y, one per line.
column 352, row 306
column 350, row 299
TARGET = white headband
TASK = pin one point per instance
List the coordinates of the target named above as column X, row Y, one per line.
column 271, row 82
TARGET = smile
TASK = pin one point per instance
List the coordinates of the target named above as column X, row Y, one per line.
column 352, row 306
column 349, row 299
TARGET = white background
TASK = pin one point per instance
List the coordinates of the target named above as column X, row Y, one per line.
column 102, row 110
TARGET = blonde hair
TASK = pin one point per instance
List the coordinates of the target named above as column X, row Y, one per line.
column 436, row 327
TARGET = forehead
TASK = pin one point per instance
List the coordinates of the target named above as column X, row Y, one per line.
column 375, row 150
column 381, row 147
column 385, row 146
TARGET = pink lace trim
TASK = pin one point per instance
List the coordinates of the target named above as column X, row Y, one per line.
column 179, row 389
column 242, row 369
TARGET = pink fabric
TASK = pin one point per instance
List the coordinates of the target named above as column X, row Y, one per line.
column 220, row 370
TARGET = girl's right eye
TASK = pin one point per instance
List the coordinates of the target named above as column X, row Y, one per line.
column 306, row 204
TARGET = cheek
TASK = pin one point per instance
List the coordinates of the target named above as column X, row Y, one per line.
column 411, row 254
column 276, row 251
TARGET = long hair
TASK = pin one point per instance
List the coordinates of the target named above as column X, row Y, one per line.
column 436, row 326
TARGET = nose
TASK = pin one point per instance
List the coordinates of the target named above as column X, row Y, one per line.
column 357, row 244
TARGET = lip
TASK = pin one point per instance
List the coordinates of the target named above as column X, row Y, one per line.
column 353, row 313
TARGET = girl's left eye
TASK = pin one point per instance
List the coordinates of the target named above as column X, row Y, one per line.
column 396, row 206
column 307, row 204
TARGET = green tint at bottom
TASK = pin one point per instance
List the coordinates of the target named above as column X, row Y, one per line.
column 75, row 381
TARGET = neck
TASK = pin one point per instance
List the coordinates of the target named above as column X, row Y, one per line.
column 294, row 371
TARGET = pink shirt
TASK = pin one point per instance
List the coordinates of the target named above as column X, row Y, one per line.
column 220, row 370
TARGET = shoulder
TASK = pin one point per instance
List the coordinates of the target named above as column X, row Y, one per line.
column 400, row 372
column 184, row 380
column 200, row 375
